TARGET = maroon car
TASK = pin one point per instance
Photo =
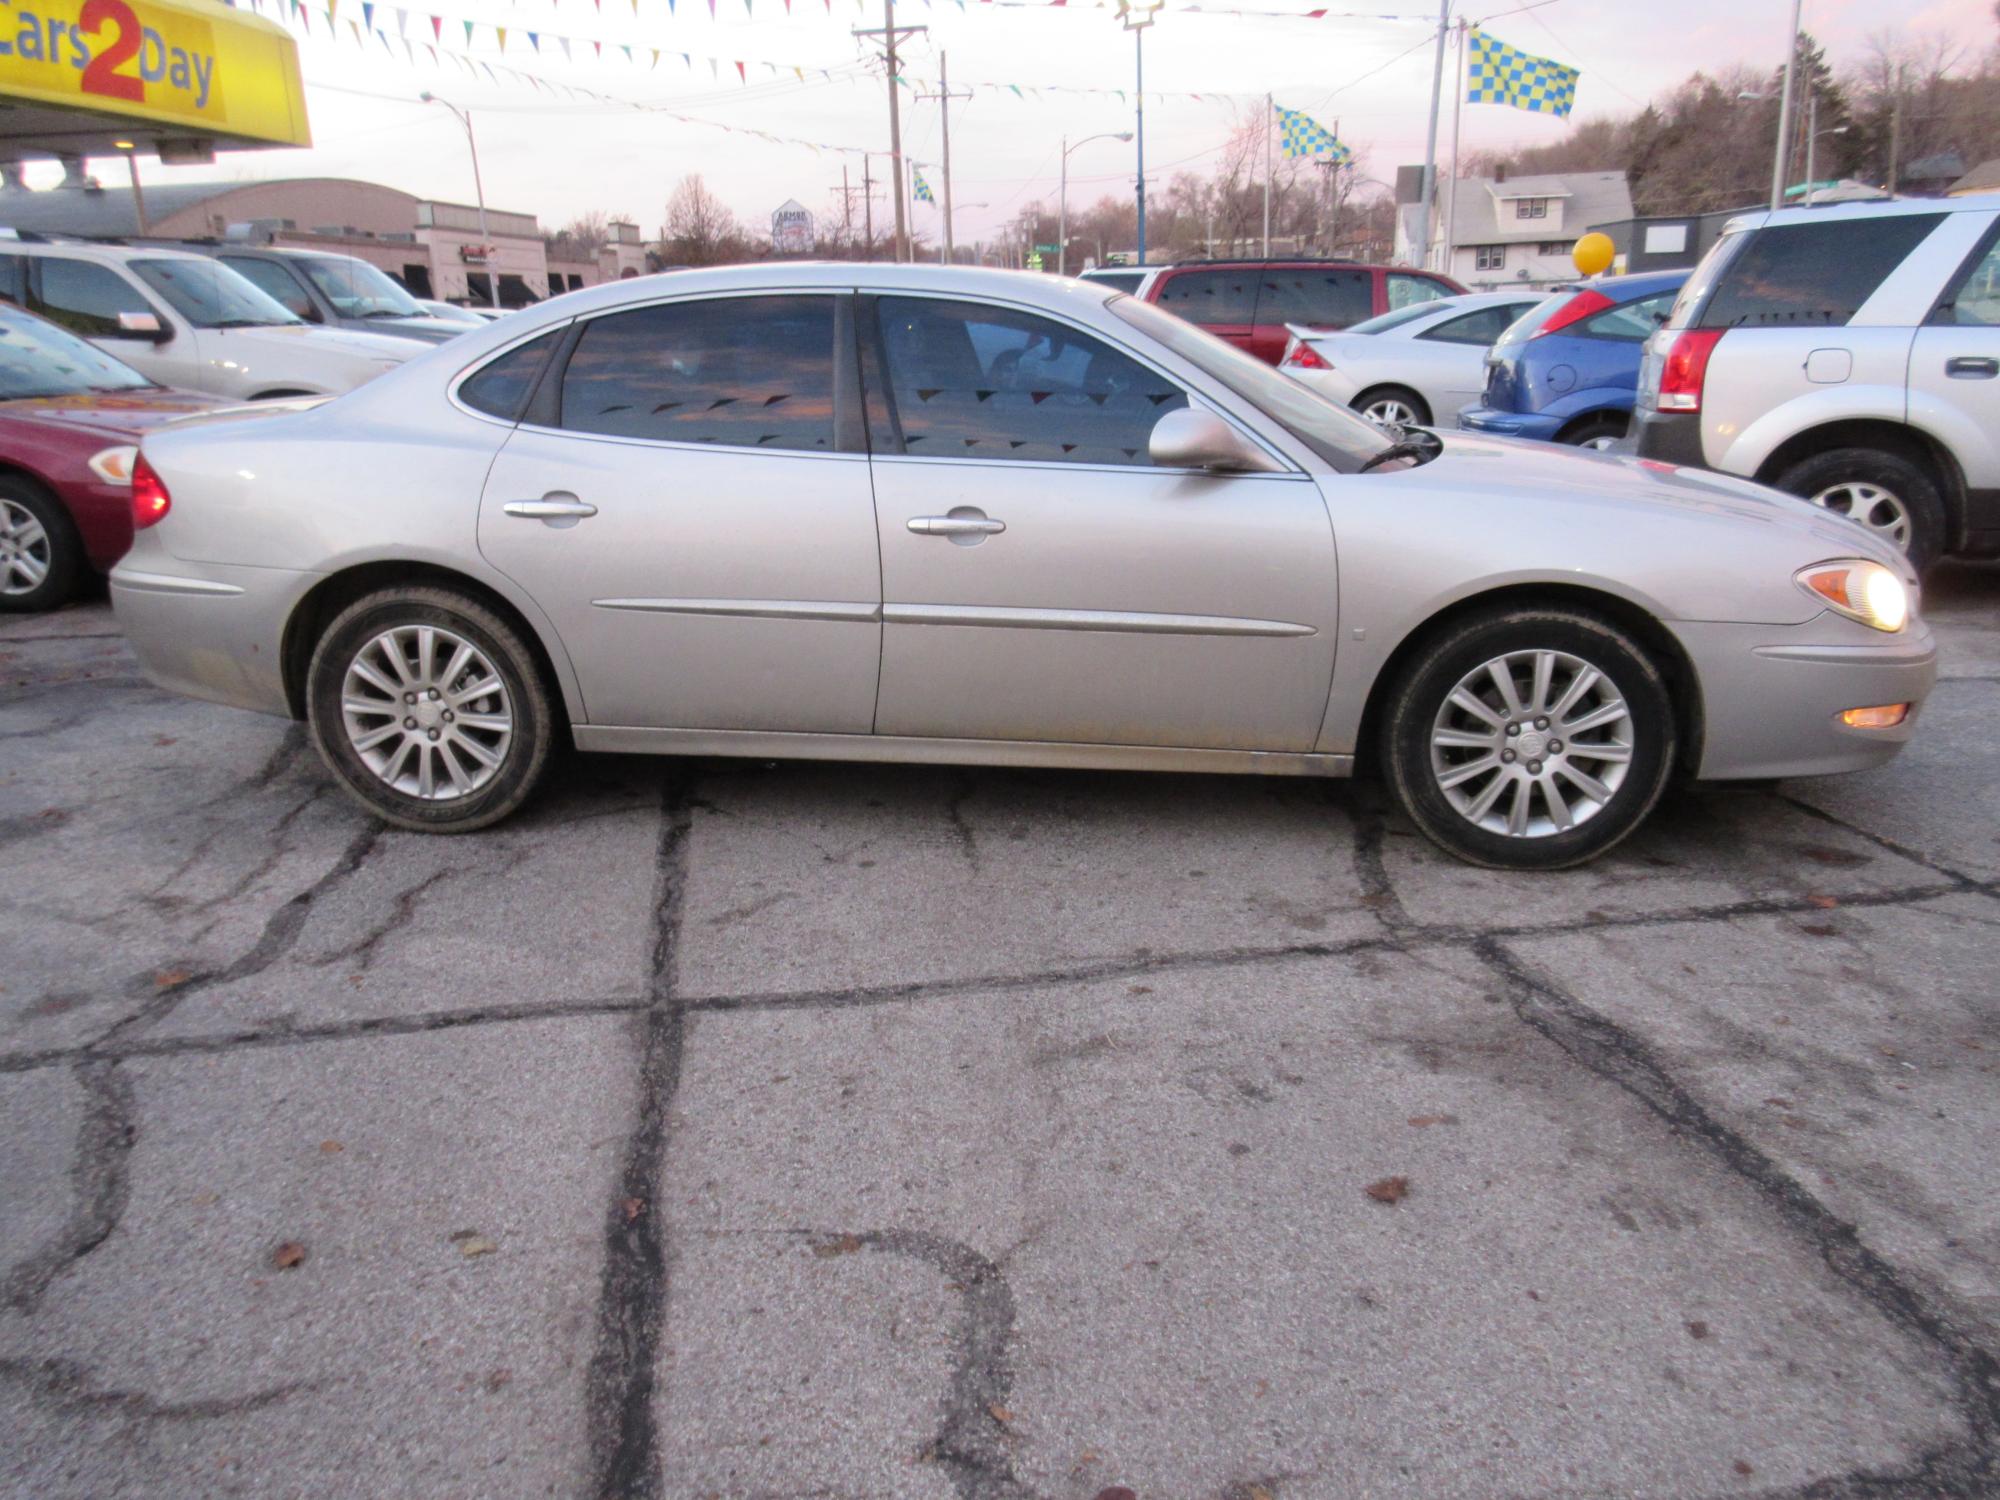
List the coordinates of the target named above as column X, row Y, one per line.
column 1249, row 302
column 70, row 420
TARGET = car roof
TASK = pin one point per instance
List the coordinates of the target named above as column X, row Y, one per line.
column 88, row 250
column 1639, row 284
column 1875, row 208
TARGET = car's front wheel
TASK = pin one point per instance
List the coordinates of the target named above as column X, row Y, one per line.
column 429, row 708
column 1529, row 738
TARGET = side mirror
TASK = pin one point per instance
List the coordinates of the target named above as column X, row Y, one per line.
column 143, row 325
column 1191, row 438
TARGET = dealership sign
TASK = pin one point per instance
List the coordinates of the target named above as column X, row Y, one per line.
column 792, row 228
column 207, row 69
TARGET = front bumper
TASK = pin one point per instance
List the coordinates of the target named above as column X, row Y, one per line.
column 1772, row 695
column 208, row 630
column 1509, row 423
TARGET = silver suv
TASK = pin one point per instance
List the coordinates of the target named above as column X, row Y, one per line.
column 1849, row 354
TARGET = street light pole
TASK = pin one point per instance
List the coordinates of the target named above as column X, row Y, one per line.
column 1137, row 15
column 1062, row 199
column 479, row 194
column 1783, row 156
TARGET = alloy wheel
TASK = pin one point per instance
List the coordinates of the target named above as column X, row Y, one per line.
column 426, row 712
column 24, row 549
column 1532, row 743
column 1882, row 511
column 1389, row 412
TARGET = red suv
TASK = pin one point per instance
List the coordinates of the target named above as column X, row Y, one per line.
column 1249, row 302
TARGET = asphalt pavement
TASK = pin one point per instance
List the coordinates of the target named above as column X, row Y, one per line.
column 739, row 1129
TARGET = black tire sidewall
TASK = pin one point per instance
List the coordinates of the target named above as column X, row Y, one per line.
column 65, row 548
column 1600, row 424
column 1893, row 472
column 527, row 752
column 1413, row 709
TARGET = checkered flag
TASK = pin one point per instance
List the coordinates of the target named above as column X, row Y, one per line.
column 1301, row 135
column 1499, row 74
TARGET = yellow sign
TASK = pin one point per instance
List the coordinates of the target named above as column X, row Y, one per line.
column 204, row 68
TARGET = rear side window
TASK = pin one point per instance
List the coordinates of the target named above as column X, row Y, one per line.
column 1212, row 297
column 1975, row 301
column 1812, row 275
column 743, row 372
column 86, row 298
column 1406, row 290
column 10, row 279
column 503, row 387
column 1634, row 322
column 1480, row 328
column 1326, row 299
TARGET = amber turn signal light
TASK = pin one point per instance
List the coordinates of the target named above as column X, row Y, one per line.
column 1882, row 716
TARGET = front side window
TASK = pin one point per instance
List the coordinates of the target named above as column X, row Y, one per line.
column 1481, row 328
column 1631, row 323
column 37, row 359
column 1812, row 275
column 740, row 372
column 1490, row 258
column 209, row 294
column 971, row 380
column 1323, row 299
column 1975, row 301
column 274, row 282
column 1212, row 298
column 358, row 290
column 86, row 298
column 1406, row 290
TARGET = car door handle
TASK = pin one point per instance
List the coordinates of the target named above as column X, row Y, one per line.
column 557, row 505
column 1972, row 367
column 956, row 525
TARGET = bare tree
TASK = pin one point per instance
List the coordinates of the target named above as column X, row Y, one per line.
column 700, row 230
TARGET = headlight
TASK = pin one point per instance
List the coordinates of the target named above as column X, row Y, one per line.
column 114, row 465
column 1861, row 590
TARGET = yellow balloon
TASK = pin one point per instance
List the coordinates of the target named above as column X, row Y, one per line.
column 1594, row 253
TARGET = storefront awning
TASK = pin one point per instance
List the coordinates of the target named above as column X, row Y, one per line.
column 180, row 78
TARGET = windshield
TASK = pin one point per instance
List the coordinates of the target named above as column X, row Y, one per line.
column 210, row 295
column 40, row 359
column 1336, row 434
column 1399, row 317
column 357, row 290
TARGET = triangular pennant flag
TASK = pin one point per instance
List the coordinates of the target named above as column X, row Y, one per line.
column 535, row 41
column 501, row 32
column 437, row 28
column 331, row 7
column 368, row 14
column 740, row 78
column 468, row 33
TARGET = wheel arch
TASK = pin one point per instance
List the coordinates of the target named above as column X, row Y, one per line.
column 1397, row 387
column 327, row 598
column 1683, row 685
column 1911, row 444
column 1596, row 416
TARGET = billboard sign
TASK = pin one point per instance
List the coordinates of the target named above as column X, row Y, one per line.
column 792, row 229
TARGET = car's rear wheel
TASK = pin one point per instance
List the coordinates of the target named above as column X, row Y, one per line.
column 1394, row 406
column 41, row 555
column 429, row 708
column 1885, row 492
column 1529, row 738
column 1599, row 432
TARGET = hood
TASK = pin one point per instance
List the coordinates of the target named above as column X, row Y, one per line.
column 114, row 414
column 428, row 329
column 1520, row 468
column 332, row 340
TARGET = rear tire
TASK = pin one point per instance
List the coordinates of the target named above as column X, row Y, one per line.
column 41, row 555
column 1382, row 403
column 1884, row 492
column 430, row 709
column 1550, row 771
column 1599, row 431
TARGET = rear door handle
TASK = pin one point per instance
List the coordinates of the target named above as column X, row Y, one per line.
column 956, row 525
column 557, row 505
column 1972, row 367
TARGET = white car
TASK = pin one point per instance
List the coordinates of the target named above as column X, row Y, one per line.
column 185, row 320
column 1411, row 366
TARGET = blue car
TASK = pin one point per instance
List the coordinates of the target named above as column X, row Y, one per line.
column 1568, row 372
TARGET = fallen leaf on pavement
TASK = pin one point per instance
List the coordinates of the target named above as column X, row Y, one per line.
column 633, row 1208
column 1824, row 903
column 166, row 979
column 845, row 1244
column 1742, row 1468
column 1697, row 1329
column 289, row 1256
column 331, row 1148
column 471, row 1242
column 1389, row 1190
column 1423, row 1122
column 1000, row 1413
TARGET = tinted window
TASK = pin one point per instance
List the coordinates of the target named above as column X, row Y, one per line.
column 358, row 290
column 503, row 387
column 976, row 381
column 1325, row 299
column 1812, row 274
column 208, row 294
column 1975, row 301
column 86, row 298
column 1635, row 321
column 748, row 372
column 275, row 282
column 1407, row 291
column 38, row 359
column 10, row 279
column 1211, row 297
column 1394, row 319
column 1480, row 328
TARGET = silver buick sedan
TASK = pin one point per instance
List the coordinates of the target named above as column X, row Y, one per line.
column 902, row 513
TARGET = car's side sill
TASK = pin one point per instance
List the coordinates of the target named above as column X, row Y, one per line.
column 619, row 739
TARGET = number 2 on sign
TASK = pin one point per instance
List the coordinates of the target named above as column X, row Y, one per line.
column 102, row 76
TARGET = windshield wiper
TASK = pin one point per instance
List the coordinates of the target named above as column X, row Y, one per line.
column 248, row 323
column 1422, row 446
column 390, row 312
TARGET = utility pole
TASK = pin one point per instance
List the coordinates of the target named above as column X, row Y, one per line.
column 1451, row 192
column 944, row 96
column 846, row 211
column 867, row 208
column 1139, row 186
column 1270, row 113
column 1895, row 132
column 1783, row 159
column 891, row 34
column 1431, row 139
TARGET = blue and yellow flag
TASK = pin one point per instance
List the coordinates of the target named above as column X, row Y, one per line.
column 1301, row 135
column 1499, row 74
column 919, row 189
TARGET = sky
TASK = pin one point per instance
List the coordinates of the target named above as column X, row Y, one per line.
column 1364, row 67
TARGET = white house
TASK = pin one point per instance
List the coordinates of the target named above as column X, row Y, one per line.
column 1514, row 231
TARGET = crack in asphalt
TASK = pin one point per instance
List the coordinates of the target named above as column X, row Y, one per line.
column 100, row 1184
column 621, row 1420
column 66, row 1385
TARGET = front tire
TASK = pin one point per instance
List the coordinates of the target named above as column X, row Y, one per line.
column 429, row 708
column 1393, row 406
column 41, row 555
column 1529, row 738
column 1885, row 492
